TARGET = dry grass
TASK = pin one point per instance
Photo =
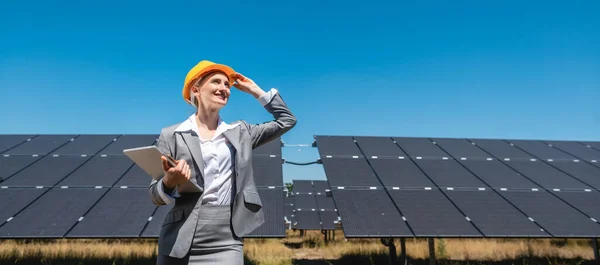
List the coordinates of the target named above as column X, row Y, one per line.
column 309, row 247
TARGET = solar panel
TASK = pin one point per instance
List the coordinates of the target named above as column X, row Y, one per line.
column 500, row 149
column 86, row 144
column 302, row 186
column 274, row 225
column 12, row 140
column 12, row 164
column 99, row 171
column 328, row 220
column 135, row 177
column 582, row 171
column 449, row 173
column 400, row 173
column 46, row 172
column 493, row 215
column 325, row 203
column 369, row 213
column 345, row 172
column 552, row 214
column 52, row 215
column 289, row 212
column 420, row 147
column 595, row 145
column 271, row 148
column 120, row 213
column 307, row 220
column 288, row 200
column 337, row 146
column 541, row 150
column 15, row 199
column 155, row 222
column 305, row 202
column 268, row 171
column 460, row 148
column 128, row 141
column 498, row 175
column 430, row 214
column 586, row 202
column 576, row 149
column 379, row 147
column 41, row 145
column 547, row 176
column 321, row 186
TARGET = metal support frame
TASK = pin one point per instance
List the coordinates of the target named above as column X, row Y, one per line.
column 404, row 256
column 389, row 242
column 431, row 251
column 596, row 250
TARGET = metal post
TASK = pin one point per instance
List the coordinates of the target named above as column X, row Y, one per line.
column 389, row 242
column 431, row 251
column 596, row 251
column 404, row 256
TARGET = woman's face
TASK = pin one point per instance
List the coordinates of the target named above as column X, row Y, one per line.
column 213, row 91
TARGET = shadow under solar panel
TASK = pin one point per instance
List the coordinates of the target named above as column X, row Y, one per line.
column 52, row 215
column 430, row 214
column 120, row 213
column 274, row 225
column 46, row 172
column 552, row 214
column 369, row 213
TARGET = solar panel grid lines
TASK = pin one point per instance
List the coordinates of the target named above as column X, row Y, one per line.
column 41, row 145
column 15, row 200
column 576, row 149
column 86, row 144
column 540, row 150
column 8, row 142
column 154, row 223
column 270, row 149
column 273, row 209
column 337, row 147
column 584, row 202
column 47, row 171
column 593, row 145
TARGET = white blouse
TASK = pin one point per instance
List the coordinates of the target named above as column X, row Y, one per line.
column 218, row 156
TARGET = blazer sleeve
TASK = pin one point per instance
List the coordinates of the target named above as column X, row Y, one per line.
column 284, row 120
column 159, row 193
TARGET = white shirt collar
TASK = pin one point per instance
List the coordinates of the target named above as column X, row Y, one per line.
column 190, row 125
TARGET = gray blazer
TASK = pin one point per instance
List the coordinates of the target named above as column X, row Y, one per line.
column 178, row 226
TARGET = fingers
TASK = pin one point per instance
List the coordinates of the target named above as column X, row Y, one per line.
column 165, row 163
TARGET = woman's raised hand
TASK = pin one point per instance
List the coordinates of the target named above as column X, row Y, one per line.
column 247, row 85
column 175, row 175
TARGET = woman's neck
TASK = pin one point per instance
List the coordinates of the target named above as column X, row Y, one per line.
column 207, row 119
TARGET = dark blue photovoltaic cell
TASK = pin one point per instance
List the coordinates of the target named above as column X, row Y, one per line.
column 328, row 219
column 321, row 186
column 271, row 148
column 449, row 173
column 15, row 199
column 52, row 215
column 307, row 220
column 493, row 215
column 40, row 145
column 337, row 146
column 498, row 175
column 46, row 172
column 99, row 171
column 459, row 148
column 12, row 164
column 268, row 171
column 586, row 202
column 86, row 144
column 369, row 213
column 541, row 150
column 582, row 171
column 547, row 176
column 288, row 212
column 400, row 173
column 305, row 202
column 430, row 214
column 576, row 149
column 274, row 225
column 12, row 140
column 420, row 147
column 349, row 172
column 135, row 177
column 155, row 223
column 288, row 200
column 595, row 145
column 128, row 141
column 325, row 203
column 379, row 147
column 120, row 213
column 501, row 149
column 552, row 214
column 302, row 186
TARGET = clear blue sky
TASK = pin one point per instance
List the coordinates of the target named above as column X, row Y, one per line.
column 507, row 69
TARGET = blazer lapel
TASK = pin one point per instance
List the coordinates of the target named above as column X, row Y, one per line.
column 193, row 144
column 233, row 136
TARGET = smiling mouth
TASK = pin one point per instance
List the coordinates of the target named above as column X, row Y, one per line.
column 221, row 96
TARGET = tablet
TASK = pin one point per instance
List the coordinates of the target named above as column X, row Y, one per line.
column 148, row 159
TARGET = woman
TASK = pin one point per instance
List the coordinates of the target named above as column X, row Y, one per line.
column 212, row 184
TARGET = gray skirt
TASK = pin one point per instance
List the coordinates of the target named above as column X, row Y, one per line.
column 214, row 241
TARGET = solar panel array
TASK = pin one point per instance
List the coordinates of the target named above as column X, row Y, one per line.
column 431, row 187
column 74, row 186
column 313, row 208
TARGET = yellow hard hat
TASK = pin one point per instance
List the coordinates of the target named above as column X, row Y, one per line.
column 202, row 68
